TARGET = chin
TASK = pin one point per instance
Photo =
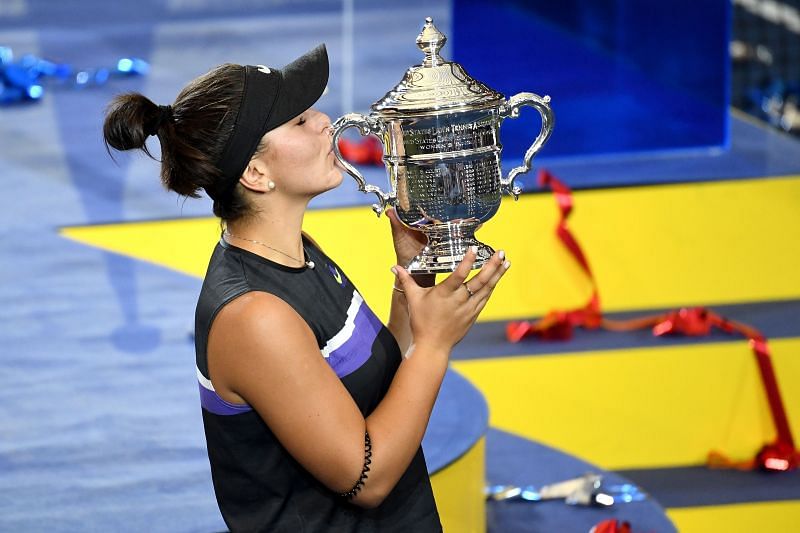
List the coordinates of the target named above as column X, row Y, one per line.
column 338, row 177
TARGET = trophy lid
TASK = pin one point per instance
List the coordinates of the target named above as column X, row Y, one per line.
column 436, row 84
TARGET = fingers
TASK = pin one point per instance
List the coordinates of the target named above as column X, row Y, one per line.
column 405, row 282
column 454, row 280
column 487, row 272
column 394, row 220
column 482, row 295
column 392, row 216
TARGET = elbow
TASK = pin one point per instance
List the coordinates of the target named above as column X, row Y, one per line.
column 370, row 494
column 370, row 497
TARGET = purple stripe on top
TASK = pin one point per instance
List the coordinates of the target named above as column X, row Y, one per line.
column 211, row 402
column 355, row 351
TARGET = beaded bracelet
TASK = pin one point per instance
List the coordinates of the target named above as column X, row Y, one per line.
column 367, row 461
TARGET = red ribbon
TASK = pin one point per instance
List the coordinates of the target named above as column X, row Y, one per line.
column 367, row 151
column 780, row 455
column 558, row 325
column 611, row 526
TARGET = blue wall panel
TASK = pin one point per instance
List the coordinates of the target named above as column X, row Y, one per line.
column 625, row 76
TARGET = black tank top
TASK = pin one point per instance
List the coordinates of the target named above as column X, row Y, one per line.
column 259, row 486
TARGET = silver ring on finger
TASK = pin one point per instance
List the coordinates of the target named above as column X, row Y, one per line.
column 471, row 294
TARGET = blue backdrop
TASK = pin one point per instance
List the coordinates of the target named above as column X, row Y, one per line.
column 625, row 75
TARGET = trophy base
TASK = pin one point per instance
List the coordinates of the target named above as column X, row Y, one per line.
column 447, row 245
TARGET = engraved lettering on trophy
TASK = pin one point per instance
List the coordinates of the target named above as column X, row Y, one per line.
column 440, row 130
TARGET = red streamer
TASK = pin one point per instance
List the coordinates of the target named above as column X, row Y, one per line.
column 779, row 455
column 611, row 526
column 367, row 151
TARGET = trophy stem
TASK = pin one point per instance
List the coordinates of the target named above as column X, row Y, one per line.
column 447, row 245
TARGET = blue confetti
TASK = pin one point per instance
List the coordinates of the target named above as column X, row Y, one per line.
column 25, row 80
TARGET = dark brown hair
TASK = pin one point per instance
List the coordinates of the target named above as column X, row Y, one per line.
column 192, row 135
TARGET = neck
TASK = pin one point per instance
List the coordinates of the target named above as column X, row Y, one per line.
column 283, row 232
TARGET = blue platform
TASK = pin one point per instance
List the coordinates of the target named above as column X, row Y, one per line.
column 100, row 426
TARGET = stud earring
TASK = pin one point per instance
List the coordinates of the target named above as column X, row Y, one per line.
column 271, row 185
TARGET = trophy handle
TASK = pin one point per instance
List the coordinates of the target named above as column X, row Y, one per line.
column 510, row 109
column 366, row 126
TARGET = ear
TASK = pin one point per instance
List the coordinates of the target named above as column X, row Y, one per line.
column 255, row 177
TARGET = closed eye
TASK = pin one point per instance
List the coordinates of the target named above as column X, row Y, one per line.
column 301, row 121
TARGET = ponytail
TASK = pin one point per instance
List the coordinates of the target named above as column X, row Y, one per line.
column 192, row 132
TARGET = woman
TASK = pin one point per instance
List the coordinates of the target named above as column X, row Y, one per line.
column 313, row 410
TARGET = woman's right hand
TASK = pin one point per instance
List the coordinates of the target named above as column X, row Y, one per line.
column 441, row 315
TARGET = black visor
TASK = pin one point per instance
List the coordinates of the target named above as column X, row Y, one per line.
column 271, row 97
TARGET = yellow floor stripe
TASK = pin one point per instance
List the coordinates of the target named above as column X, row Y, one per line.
column 663, row 246
column 183, row 245
column 649, row 246
column 765, row 517
column 640, row 408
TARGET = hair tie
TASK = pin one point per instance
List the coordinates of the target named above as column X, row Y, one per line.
column 164, row 115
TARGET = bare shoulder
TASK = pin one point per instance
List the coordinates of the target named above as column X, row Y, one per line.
column 255, row 317
column 257, row 337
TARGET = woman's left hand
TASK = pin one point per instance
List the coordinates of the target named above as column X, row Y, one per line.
column 408, row 243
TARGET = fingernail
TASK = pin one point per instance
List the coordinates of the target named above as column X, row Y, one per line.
column 501, row 254
column 394, row 270
column 507, row 264
column 474, row 249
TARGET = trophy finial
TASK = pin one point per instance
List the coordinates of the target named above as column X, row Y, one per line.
column 430, row 40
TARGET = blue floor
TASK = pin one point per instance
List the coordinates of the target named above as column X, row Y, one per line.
column 100, row 428
column 775, row 319
column 698, row 485
column 510, row 460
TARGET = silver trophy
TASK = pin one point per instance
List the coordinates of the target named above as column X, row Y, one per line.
column 439, row 128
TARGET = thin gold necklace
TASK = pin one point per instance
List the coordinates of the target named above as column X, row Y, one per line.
column 309, row 263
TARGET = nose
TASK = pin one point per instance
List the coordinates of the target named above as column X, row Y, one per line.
column 326, row 124
column 323, row 122
column 319, row 117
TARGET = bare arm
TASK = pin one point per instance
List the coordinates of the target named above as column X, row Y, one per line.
column 407, row 243
column 262, row 352
column 399, row 323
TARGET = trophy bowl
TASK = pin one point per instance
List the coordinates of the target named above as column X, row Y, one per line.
column 440, row 133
